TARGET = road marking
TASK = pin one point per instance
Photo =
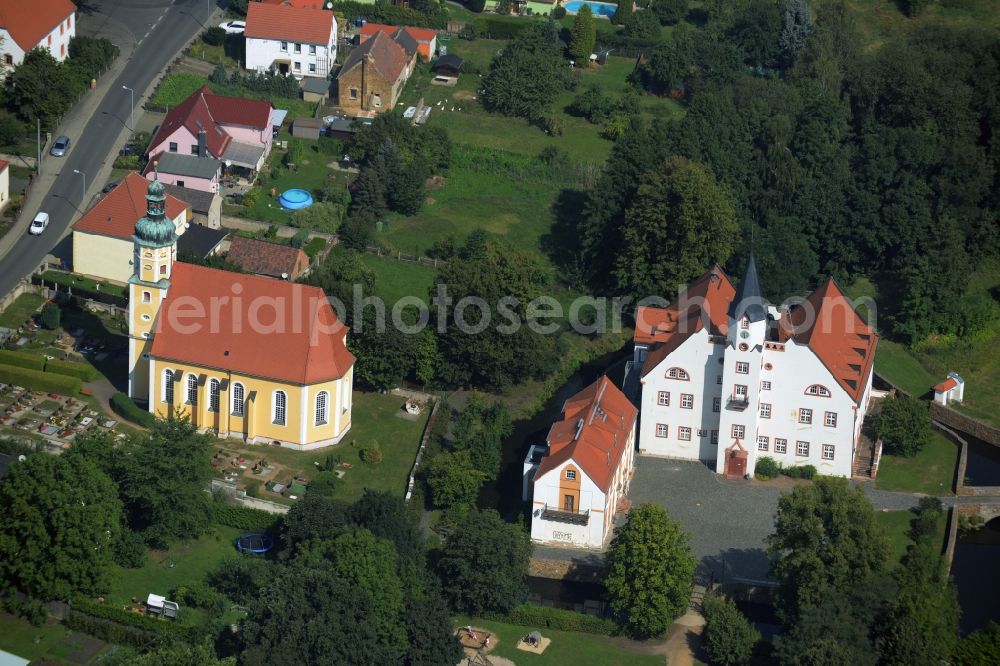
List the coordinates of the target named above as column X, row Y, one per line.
column 146, row 35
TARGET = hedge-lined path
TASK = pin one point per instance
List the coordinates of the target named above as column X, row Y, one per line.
column 102, row 390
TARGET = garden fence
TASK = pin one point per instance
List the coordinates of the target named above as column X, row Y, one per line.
column 400, row 256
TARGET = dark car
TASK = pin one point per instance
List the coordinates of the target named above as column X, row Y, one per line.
column 110, row 186
column 60, row 146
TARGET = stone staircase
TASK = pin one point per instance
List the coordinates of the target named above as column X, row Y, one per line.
column 864, row 458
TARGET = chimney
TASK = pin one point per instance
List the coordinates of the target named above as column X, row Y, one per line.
column 202, row 148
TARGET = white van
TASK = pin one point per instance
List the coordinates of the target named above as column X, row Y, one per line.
column 39, row 224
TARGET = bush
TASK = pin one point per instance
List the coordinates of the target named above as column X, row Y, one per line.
column 372, row 453
column 559, row 12
column 11, row 129
column 799, row 471
column 729, row 637
column 40, row 381
column 251, row 197
column 82, row 371
column 766, row 468
column 51, row 316
column 198, row 595
column 214, row 36
column 144, row 623
column 241, row 517
column 106, row 630
column 324, row 483
column 241, row 579
column 555, row 618
column 299, row 239
column 128, row 410
column 129, row 550
column 22, row 360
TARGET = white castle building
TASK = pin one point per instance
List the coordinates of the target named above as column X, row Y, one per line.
column 727, row 378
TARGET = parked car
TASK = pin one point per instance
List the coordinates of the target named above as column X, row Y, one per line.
column 110, row 186
column 234, row 27
column 60, row 146
column 39, row 224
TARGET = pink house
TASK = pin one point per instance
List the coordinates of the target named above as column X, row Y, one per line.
column 193, row 173
column 233, row 130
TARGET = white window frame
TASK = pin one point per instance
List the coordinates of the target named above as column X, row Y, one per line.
column 765, row 410
column 283, row 47
column 780, row 445
column 191, row 390
column 168, row 386
column 663, row 398
column 763, row 443
column 238, row 399
column 678, row 373
column 740, row 392
column 662, row 430
column 742, row 368
column 828, row 451
column 830, row 419
column 147, row 297
column 279, row 410
column 805, row 416
column 571, row 475
column 802, row 448
column 214, row 389
column 312, row 49
column 819, row 390
column 684, row 433
column 739, row 431
column 702, row 432
column 322, row 412
column 687, row 401
column 765, row 386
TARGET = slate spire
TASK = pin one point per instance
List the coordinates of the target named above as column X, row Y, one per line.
column 749, row 301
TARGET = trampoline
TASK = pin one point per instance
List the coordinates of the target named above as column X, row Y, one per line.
column 295, row 199
column 254, row 543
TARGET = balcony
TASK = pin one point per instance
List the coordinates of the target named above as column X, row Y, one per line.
column 738, row 403
column 569, row 517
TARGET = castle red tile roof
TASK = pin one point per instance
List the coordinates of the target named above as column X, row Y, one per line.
column 204, row 110
column 265, row 258
column 250, row 325
column 839, row 337
column 27, row 22
column 946, row 385
column 418, row 34
column 593, row 432
column 291, row 22
column 116, row 214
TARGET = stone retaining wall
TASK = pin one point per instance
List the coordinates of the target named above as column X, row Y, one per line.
column 967, row 424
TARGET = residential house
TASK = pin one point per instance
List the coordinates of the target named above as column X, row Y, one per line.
column 423, row 40
column 188, row 171
column 206, row 207
column 207, row 352
column 580, row 478
column 373, row 76
column 290, row 39
column 234, row 130
column 727, row 377
column 27, row 25
column 270, row 259
column 4, row 184
column 102, row 237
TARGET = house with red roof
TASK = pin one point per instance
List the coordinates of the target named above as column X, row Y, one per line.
column 727, row 378
column 577, row 481
column 242, row 356
column 233, row 130
column 28, row 25
column 297, row 38
column 102, row 237
column 424, row 39
column 374, row 74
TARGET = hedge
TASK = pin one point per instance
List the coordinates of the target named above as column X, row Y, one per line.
column 40, row 381
column 528, row 615
column 125, row 408
column 106, row 630
column 81, row 371
column 138, row 621
column 23, row 360
column 241, row 517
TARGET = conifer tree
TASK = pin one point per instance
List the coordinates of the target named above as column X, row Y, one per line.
column 582, row 37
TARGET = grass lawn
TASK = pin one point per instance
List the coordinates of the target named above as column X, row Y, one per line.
column 566, row 648
column 177, row 87
column 895, row 363
column 81, row 283
column 374, row 419
column 52, row 643
column 896, row 524
column 932, row 471
column 20, row 310
column 166, row 569
column 395, row 279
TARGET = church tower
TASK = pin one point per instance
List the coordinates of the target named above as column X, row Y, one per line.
column 154, row 253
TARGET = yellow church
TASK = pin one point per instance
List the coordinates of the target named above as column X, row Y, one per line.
column 242, row 356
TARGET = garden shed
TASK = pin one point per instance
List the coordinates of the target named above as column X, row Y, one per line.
column 448, row 65
column 306, row 128
column 315, row 89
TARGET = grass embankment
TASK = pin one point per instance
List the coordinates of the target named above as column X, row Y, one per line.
column 20, row 310
column 932, row 471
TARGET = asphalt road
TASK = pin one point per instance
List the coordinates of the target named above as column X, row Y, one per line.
column 160, row 28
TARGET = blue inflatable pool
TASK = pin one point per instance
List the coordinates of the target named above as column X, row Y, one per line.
column 295, row 199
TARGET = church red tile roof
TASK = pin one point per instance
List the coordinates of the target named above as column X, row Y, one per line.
column 27, row 22
column 116, row 214
column 293, row 22
column 844, row 343
column 251, row 325
column 593, row 432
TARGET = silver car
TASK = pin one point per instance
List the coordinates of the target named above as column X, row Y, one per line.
column 60, row 146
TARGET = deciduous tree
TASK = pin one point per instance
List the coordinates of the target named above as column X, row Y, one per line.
column 527, row 75
column 729, row 637
column 650, row 571
column 904, row 425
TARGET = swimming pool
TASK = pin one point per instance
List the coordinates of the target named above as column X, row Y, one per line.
column 597, row 8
